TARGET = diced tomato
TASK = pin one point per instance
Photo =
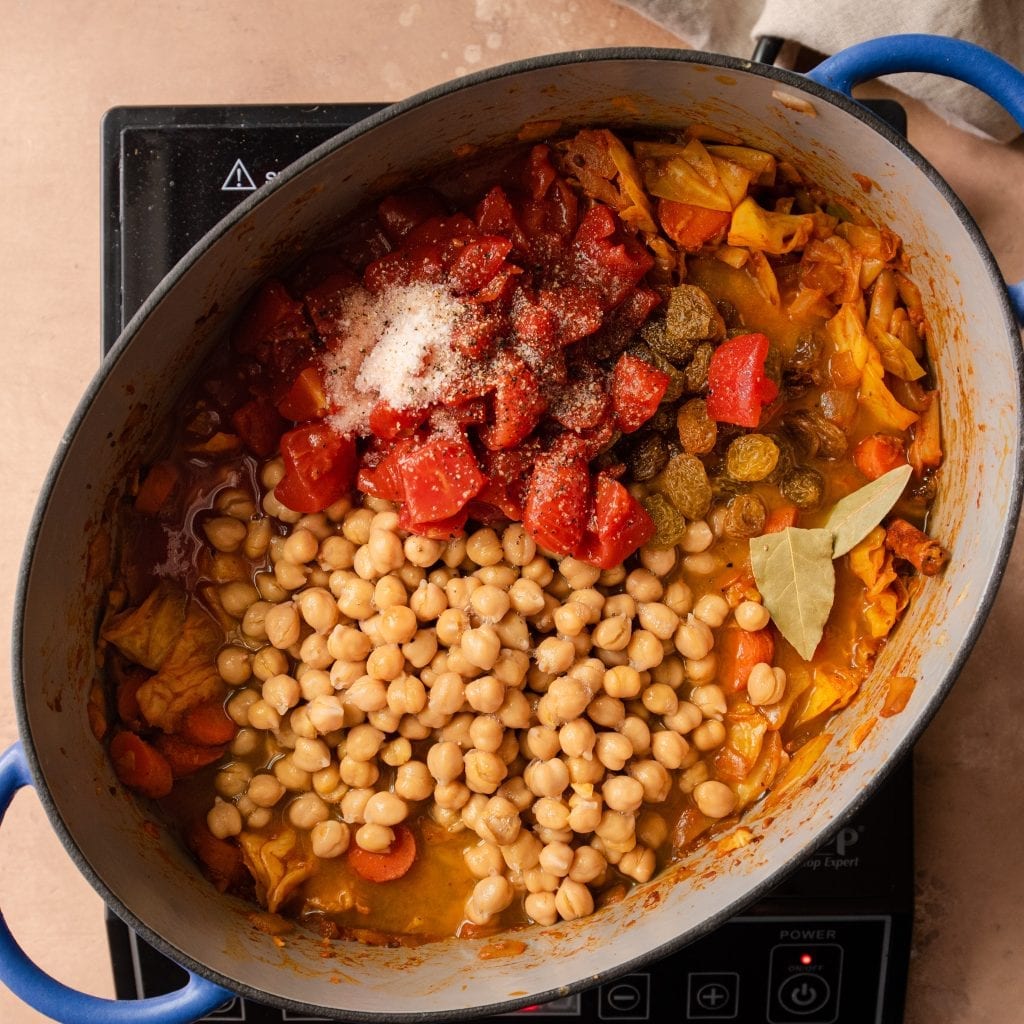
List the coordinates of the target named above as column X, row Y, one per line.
column 556, row 502
column 538, row 174
column 444, row 233
column 477, row 262
column 389, row 864
column 500, row 289
column 637, row 391
column 518, row 404
column 495, row 216
column 305, row 399
column 438, row 529
column 273, row 330
column 738, row 388
column 320, row 266
column 390, row 424
column 476, row 336
column 156, row 489
column 422, row 263
column 383, row 479
column 578, row 311
column 508, row 477
column 325, row 303
column 259, row 425
column 319, row 468
column 617, row 526
column 878, row 454
column 690, row 226
column 781, row 518
column 438, row 478
column 584, row 401
column 606, row 259
column 399, row 214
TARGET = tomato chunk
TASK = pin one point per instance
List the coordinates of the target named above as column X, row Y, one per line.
column 390, row 424
column 605, row 262
column 518, row 405
column 739, row 650
column 438, row 529
column 319, row 468
column 556, row 502
column 738, row 388
column 274, row 330
column 399, row 214
column 637, row 391
column 438, row 478
column 618, row 525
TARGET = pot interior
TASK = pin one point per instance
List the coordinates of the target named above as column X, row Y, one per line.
column 154, row 883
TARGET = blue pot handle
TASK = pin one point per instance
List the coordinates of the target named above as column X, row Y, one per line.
column 939, row 55
column 50, row 997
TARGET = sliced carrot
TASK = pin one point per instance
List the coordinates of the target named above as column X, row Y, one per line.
column 208, row 725
column 877, row 454
column 781, row 518
column 156, row 489
column 186, row 758
column 690, row 226
column 221, row 859
column 140, row 766
column 394, row 862
column 739, row 650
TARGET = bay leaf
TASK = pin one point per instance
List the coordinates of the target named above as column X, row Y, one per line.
column 856, row 515
column 794, row 573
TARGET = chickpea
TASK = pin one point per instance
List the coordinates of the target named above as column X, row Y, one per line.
column 234, row 664
column 765, row 685
column 694, row 639
column 263, row 715
column 547, row 778
column 385, row 662
column 655, row 779
column 428, row 601
column 541, row 742
column 623, row 793
column 486, row 733
column 659, row 561
column 451, row 796
column 327, row 783
column 714, row 799
column 445, row 761
column 385, row 809
column 577, row 737
column 491, row 895
column 588, row 865
column 281, row 693
column 636, row 730
column 708, row 735
column 515, row 711
column 541, row 908
column 336, row 553
column 556, row 859
column 566, row 699
column 452, row 624
column 353, row 804
column 606, row 711
column 481, row 645
column 246, row 742
column 643, row 586
column 232, row 780
column 374, row 838
column 660, row 699
column 669, row 748
column 622, row 681
column 484, row 859
column 329, row 839
column 311, row 755
column 501, row 819
column 613, row 633
column 447, row 694
column 282, row 625
column 489, row 602
column 313, row 652
column 645, row 650
column 306, row 810
column 265, row 790
column 397, row 752
column 358, row 774
column 703, row 565
column 225, row 533
column 585, row 770
column 573, row 900
column 314, row 682
column 239, row 704
column 751, row 616
column 710, row 699
column 526, row 597
column 670, row 672
column 421, row 551
column 686, row 718
column 484, row 548
column 224, row 819
column 413, row 781
column 363, row 742
column 698, row 537
column 712, row 609
column 584, row 813
column 638, row 863
column 367, row 693
column 517, row 545
column 406, row 695
column 485, row 694
column 484, row 771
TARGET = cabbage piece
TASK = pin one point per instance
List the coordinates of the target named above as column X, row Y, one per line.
column 895, row 356
column 847, row 334
column 685, row 174
column 885, row 596
column 146, row 635
column 879, row 400
column 757, row 161
column 763, row 230
column 187, row 676
column 279, row 865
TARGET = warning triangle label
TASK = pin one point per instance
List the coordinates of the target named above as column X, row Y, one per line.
column 238, row 179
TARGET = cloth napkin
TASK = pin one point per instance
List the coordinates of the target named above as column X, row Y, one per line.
column 733, row 26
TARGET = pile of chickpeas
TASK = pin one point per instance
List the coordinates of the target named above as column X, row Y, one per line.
column 545, row 705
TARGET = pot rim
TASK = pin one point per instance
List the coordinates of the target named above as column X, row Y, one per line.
column 785, row 77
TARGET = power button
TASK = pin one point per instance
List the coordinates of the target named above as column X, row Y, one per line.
column 804, row 982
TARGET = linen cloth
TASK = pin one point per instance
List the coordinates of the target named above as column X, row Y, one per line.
column 733, row 26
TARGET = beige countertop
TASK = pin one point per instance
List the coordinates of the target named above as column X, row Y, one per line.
column 64, row 63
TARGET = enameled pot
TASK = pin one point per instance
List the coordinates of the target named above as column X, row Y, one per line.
column 153, row 883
